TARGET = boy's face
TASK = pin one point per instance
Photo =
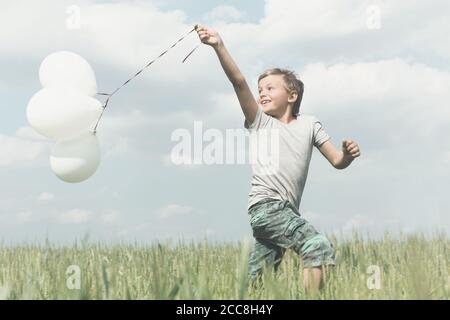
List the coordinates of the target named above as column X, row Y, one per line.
column 273, row 95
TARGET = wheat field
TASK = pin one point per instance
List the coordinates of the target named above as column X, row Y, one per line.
column 406, row 267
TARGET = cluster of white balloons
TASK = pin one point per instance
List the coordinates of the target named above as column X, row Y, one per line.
column 65, row 110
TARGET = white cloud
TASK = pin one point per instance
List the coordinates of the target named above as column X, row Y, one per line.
column 28, row 133
column 223, row 13
column 173, row 210
column 369, row 83
column 130, row 33
column 327, row 30
column 116, row 28
column 110, row 217
column 383, row 80
column 225, row 111
column 119, row 132
column 125, row 35
column 45, row 197
column 312, row 19
column 115, row 38
column 408, row 98
column 19, row 151
column 75, row 216
column 24, row 216
column 120, row 148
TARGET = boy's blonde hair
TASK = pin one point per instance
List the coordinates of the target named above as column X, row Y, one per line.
column 291, row 81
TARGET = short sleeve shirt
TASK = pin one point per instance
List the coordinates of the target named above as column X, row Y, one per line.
column 281, row 155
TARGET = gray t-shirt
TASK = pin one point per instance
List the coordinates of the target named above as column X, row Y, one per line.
column 282, row 172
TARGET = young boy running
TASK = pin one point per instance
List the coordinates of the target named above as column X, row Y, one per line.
column 275, row 197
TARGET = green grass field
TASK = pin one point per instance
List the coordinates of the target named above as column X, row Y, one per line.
column 411, row 267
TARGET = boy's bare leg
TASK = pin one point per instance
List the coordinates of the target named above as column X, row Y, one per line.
column 312, row 279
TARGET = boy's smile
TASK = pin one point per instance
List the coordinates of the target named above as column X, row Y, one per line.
column 274, row 96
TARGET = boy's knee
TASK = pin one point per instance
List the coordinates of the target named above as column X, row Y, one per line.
column 318, row 251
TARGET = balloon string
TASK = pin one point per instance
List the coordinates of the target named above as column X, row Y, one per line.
column 137, row 73
column 190, row 53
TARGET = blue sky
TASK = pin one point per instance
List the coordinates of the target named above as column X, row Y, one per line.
column 385, row 86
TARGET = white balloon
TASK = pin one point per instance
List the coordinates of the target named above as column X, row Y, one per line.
column 61, row 113
column 75, row 160
column 68, row 69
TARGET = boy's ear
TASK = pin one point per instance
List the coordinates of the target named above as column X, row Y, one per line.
column 293, row 96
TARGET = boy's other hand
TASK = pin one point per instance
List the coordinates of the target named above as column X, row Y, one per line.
column 350, row 149
column 208, row 36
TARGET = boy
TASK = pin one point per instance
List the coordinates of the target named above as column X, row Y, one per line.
column 275, row 198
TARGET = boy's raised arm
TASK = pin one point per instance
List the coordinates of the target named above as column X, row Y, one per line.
column 246, row 99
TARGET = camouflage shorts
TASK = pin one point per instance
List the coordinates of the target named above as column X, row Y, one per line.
column 277, row 225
